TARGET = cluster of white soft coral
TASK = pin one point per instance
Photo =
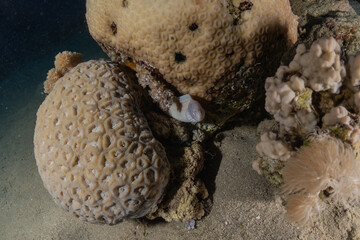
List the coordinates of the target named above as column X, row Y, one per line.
column 288, row 93
column 315, row 101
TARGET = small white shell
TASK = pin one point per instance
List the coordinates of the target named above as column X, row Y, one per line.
column 191, row 110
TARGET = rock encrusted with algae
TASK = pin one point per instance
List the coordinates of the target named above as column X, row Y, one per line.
column 328, row 18
column 185, row 201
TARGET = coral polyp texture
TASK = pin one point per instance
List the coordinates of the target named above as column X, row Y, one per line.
column 195, row 46
column 94, row 149
column 313, row 152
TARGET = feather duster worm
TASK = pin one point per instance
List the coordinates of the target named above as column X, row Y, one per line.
column 326, row 167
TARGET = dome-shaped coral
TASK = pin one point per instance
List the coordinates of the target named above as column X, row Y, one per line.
column 95, row 152
column 193, row 45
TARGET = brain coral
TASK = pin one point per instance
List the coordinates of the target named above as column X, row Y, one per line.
column 196, row 46
column 95, row 152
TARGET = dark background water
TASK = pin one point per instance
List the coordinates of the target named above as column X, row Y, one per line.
column 30, row 28
column 32, row 32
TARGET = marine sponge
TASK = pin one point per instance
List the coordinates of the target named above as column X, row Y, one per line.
column 94, row 149
column 327, row 166
column 64, row 62
column 193, row 45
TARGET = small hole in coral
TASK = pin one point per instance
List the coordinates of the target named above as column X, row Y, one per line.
column 56, row 122
column 117, row 95
column 229, row 54
column 193, row 27
column 179, row 57
column 246, row 5
column 150, row 175
column 113, row 28
column 134, row 177
column 123, row 164
column 139, row 190
column 172, row 37
column 75, row 110
column 102, row 161
column 125, row 3
column 106, row 141
column 149, row 153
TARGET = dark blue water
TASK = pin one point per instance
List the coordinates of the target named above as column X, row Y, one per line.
column 32, row 33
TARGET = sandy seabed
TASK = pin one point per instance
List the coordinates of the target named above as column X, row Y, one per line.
column 244, row 205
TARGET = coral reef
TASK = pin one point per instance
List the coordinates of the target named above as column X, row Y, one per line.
column 193, row 44
column 313, row 100
column 94, row 149
column 201, row 48
column 193, row 57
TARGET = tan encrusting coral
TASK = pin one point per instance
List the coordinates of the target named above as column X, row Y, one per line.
column 193, row 45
